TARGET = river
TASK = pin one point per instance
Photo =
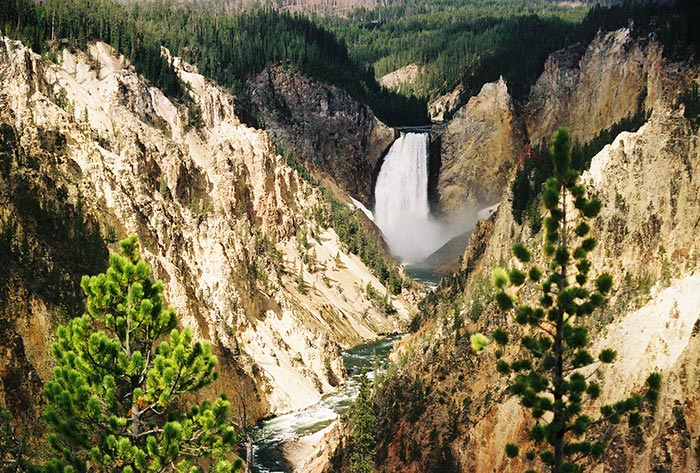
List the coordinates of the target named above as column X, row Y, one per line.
column 424, row 274
column 272, row 434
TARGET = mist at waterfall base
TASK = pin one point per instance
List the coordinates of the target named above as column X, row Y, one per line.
column 401, row 208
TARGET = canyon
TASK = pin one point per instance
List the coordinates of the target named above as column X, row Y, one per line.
column 455, row 409
column 225, row 223
column 239, row 207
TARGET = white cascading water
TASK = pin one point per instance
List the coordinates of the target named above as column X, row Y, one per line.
column 401, row 209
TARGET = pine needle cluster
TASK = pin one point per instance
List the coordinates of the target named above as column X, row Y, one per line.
column 548, row 374
column 115, row 400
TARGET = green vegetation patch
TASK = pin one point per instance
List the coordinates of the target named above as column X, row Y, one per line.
column 455, row 41
column 229, row 47
column 472, row 42
column 360, row 241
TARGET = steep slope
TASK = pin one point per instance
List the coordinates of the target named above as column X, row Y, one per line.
column 479, row 149
column 652, row 318
column 589, row 88
column 320, row 123
column 238, row 238
column 442, row 107
column 444, row 408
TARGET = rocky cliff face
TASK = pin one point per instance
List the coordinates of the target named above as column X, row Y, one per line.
column 589, row 88
column 645, row 240
column 443, row 106
column 479, row 149
column 447, row 406
column 231, row 230
column 321, row 123
column 644, row 233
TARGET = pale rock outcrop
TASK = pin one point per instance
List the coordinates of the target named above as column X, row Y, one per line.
column 401, row 78
column 588, row 89
column 649, row 182
column 646, row 231
column 218, row 214
column 479, row 149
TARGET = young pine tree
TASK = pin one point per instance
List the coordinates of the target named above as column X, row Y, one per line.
column 547, row 373
column 115, row 401
column 362, row 424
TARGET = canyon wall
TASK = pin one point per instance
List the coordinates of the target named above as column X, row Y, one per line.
column 589, row 88
column 479, row 150
column 239, row 240
column 445, row 408
column 338, row 137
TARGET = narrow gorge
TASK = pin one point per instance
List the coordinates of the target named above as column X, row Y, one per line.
column 329, row 195
column 238, row 237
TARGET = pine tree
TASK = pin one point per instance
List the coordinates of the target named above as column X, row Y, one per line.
column 14, row 443
column 362, row 423
column 115, row 401
column 547, row 373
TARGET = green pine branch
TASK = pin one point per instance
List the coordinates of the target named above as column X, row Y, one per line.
column 546, row 374
column 115, row 400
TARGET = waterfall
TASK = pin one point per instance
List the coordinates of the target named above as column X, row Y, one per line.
column 401, row 209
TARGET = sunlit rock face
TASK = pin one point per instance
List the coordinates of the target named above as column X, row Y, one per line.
column 479, row 150
column 225, row 223
column 588, row 89
column 645, row 240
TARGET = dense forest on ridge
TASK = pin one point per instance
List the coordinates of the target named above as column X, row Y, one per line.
column 470, row 43
column 227, row 47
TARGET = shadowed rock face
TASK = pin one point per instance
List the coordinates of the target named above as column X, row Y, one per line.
column 334, row 134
